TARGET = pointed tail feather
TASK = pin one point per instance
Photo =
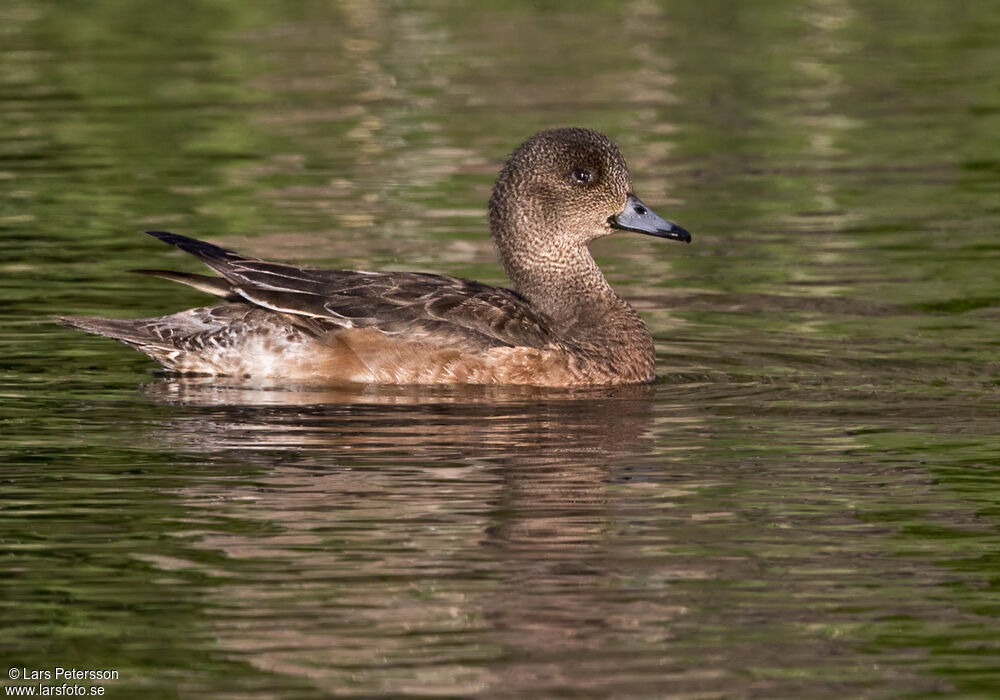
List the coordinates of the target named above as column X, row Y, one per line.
column 217, row 286
column 131, row 331
column 219, row 259
column 200, row 249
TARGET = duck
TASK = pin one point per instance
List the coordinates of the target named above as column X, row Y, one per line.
column 560, row 324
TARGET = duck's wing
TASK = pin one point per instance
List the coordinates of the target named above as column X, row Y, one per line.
column 424, row 307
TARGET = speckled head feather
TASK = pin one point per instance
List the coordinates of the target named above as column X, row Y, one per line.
column 560, row 186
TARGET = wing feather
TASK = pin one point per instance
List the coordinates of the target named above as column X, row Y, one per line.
column 436, row 308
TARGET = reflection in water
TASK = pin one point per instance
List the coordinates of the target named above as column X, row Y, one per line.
column 497, row 517
column 423, row 418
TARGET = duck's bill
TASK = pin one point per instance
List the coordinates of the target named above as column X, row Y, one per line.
column 637, row 217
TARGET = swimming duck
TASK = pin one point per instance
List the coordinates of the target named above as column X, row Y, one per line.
column 560, row 325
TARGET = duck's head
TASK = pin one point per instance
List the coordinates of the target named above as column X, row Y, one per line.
column 567, row 187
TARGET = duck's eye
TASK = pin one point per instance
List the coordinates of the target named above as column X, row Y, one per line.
column 582, row 176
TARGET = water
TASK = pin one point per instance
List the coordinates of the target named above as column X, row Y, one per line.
column 805, row 506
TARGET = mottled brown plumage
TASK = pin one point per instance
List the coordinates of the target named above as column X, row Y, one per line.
column 561, row 325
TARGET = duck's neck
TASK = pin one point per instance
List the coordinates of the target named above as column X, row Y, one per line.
column 553, row 269
column 558, row 282
column 568, row 287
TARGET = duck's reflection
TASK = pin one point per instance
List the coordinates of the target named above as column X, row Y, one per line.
column 387, row 528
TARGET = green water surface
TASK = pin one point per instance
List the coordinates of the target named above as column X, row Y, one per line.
column 806, row 505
